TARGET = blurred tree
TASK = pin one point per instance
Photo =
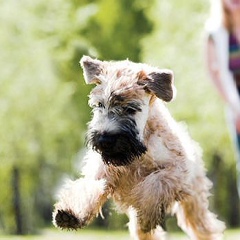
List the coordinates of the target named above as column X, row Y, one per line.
column 43, row 108
column 179, row 44
column 41, row 129
column 116, row 30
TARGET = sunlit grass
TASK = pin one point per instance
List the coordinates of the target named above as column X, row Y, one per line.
column 50, row 234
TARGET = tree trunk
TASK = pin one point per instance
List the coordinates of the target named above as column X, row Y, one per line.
column 17, row 200
column 234, row 216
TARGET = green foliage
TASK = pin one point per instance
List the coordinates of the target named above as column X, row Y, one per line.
column 178, row 43
column 42, row 129
column 43, row 105
column 117, row 28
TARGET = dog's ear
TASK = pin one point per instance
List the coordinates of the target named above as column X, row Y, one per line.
column 92, row 68
column 159, row 83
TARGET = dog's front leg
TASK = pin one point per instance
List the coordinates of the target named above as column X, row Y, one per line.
column 154, row 196
column 79, row 202
column 138, row 234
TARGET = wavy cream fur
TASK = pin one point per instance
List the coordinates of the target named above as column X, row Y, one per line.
column 168, row 178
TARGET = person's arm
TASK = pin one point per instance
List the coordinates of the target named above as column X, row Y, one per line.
column 231, row 97
column 213, row 69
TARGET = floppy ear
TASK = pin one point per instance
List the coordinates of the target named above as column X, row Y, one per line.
column 159, row 83
column 92, row 68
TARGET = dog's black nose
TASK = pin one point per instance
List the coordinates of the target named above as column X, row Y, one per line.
column 106, row 141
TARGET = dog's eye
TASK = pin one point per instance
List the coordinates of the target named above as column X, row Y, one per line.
column 98, row 105
column 132, row 108
column 129, row 110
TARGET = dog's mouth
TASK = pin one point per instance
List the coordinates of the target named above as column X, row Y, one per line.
column 117, row 149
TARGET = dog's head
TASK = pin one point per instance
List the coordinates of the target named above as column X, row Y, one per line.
column 120, row 103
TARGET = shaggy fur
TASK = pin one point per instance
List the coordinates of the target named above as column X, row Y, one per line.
column 139, row 156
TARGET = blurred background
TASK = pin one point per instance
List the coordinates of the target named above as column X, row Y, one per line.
column 43, row 98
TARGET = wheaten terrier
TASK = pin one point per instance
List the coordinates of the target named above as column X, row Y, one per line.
column 139, row 156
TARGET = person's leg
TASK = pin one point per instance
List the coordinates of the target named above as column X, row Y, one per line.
column 237, row 146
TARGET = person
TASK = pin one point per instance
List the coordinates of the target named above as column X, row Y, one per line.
column 223, row 62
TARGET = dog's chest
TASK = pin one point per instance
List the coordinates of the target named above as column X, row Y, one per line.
column 124, row 179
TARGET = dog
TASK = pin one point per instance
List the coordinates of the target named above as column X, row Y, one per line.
column 139, row 156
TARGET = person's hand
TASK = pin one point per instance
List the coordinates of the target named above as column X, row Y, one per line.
column 237, row 122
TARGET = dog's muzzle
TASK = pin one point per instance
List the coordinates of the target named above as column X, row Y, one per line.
column 118, row 149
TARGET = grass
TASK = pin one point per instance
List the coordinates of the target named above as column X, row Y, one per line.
column 50, row 234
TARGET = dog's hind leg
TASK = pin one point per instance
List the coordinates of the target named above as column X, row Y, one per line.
column 79, row 202
column 194, row 217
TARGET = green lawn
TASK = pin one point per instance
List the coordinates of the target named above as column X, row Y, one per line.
column 51, row 234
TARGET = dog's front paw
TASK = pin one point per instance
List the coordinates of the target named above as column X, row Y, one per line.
column 66, row 219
